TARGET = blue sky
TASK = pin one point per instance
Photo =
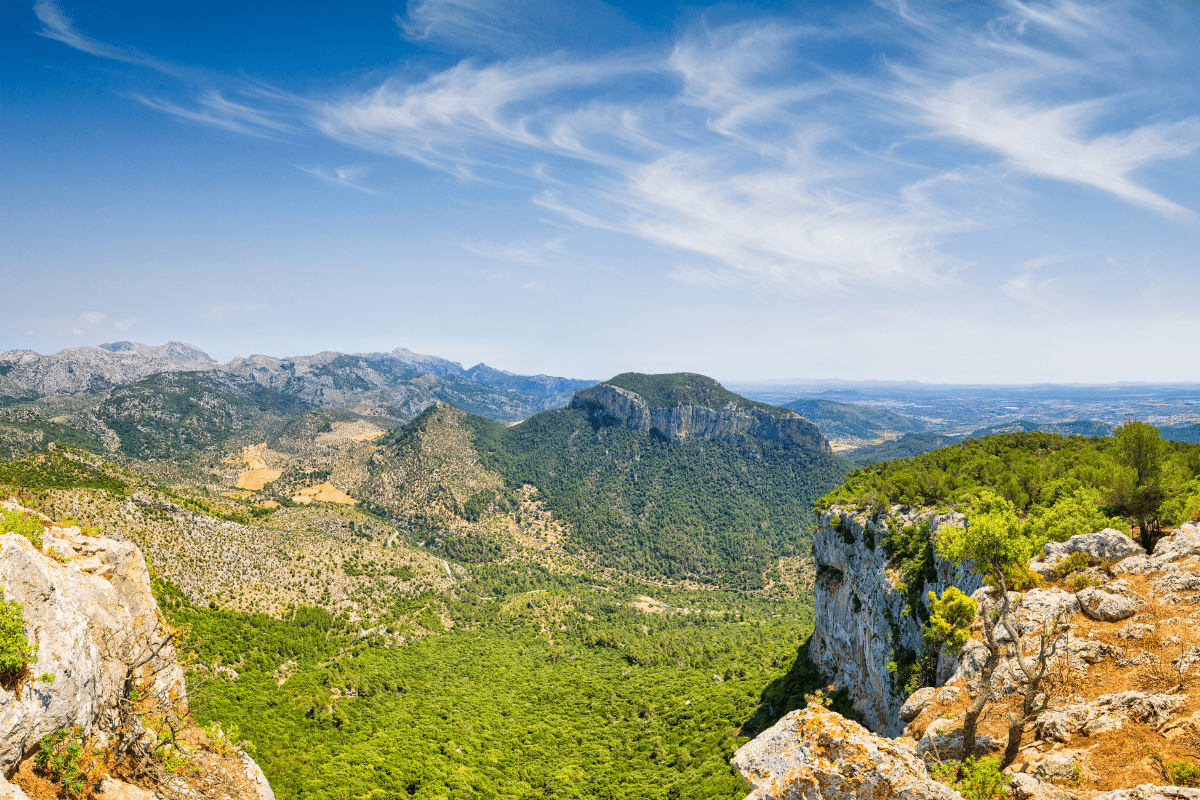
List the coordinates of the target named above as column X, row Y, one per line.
column 958, row 192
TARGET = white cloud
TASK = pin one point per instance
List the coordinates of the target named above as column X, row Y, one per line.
column 737, row 144
column 343, row 176
column 530, row 252
column 76, row 331
column 124, row 324
column 93, row 317
column 61, row 28
column 29, row 333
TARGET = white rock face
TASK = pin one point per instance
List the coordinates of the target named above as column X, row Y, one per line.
column 861, row 621
column 1108, row 713
column 75, row 616
column 1101, row 603
column 1184, row 541
column 686, row 421
column 1108, row 543
column 815, row 754
column 1148, row 791
column 80, row 612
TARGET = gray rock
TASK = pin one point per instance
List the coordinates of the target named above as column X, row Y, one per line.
column 815, row 754
column 853, row 643
column 916, row 703
column 1184, row 541
column 1107, row 713
column 1101, row 604
column 677, row 423
column 1148, row 791
column 1059, row 765
column 1134, row 565
column 1186, row 659
column 75, row 618
column 1108, row 543
column 1027, row 787
column 1177, row 581
column 9, row 791
column 255, row 774
column 943, row 740
column 1135, row 630
column 1093, row 652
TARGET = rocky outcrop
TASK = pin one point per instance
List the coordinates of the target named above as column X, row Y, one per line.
column 815, row 754
column 89, row 611
column 78, row 370
column 88, row 607
column 865, row 613
column 1108, row 544
column 612, row 404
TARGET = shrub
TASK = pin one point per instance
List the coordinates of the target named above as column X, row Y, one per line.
column 26, row 524
column 1076, row 562
column 15, row 650
column 61, row 759
column 976, row 780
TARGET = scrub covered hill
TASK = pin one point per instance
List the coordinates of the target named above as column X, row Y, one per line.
column 716, row 511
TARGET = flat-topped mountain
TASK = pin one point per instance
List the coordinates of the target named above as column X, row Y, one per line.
column 685, row 405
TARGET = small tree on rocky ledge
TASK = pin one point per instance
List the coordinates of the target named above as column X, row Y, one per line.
column 994, row 542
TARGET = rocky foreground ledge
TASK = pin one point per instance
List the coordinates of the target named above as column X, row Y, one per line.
column 1123, row 721
column 89, row 610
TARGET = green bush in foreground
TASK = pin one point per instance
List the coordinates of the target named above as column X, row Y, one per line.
column 981, row 780
column 15, row 650
column 24, row 523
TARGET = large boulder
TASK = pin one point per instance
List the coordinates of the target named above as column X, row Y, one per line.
column 89, row 610
column 1184, row 541
column 1108, row 712
column 815, row 754
column 1108, row 603
column 1109, row 544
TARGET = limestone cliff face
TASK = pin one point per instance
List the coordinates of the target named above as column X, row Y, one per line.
column 731, row 423
column 87, row 606
column 864, row 618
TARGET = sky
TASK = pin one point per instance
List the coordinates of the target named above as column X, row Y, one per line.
column 1000, row 192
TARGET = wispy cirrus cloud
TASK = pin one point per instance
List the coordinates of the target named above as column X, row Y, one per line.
column 342, row 176
column 747, row 145
column 530, row 253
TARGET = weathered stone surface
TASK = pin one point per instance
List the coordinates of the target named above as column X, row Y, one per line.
column 91, row 369
column 255, row 774
column 1134, row 565
column 1060, row 765
column 916, row 703
column 1034, row 608
column 943, row 740
column 1100, row 603
column 75, row 618
column 1135, row 630
column 687, row 421
column 1184, row 541
column 1149, row 791
column 9, row 791
column 1177, row 581
column 1093, row 652
column 90, row 612
column 815, row 754
column 1108, row 713
column 1108, row 543
column 860, row 605
column 1027, row 787
column 111, row 789
column 1186, row 659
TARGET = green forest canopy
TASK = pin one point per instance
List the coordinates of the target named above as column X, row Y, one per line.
column 717, row 511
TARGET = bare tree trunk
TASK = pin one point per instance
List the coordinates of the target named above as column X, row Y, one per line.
column 984, row 690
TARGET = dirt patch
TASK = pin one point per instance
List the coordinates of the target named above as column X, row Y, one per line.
column 360, row 431
column 325, row 493
column 256, row 479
